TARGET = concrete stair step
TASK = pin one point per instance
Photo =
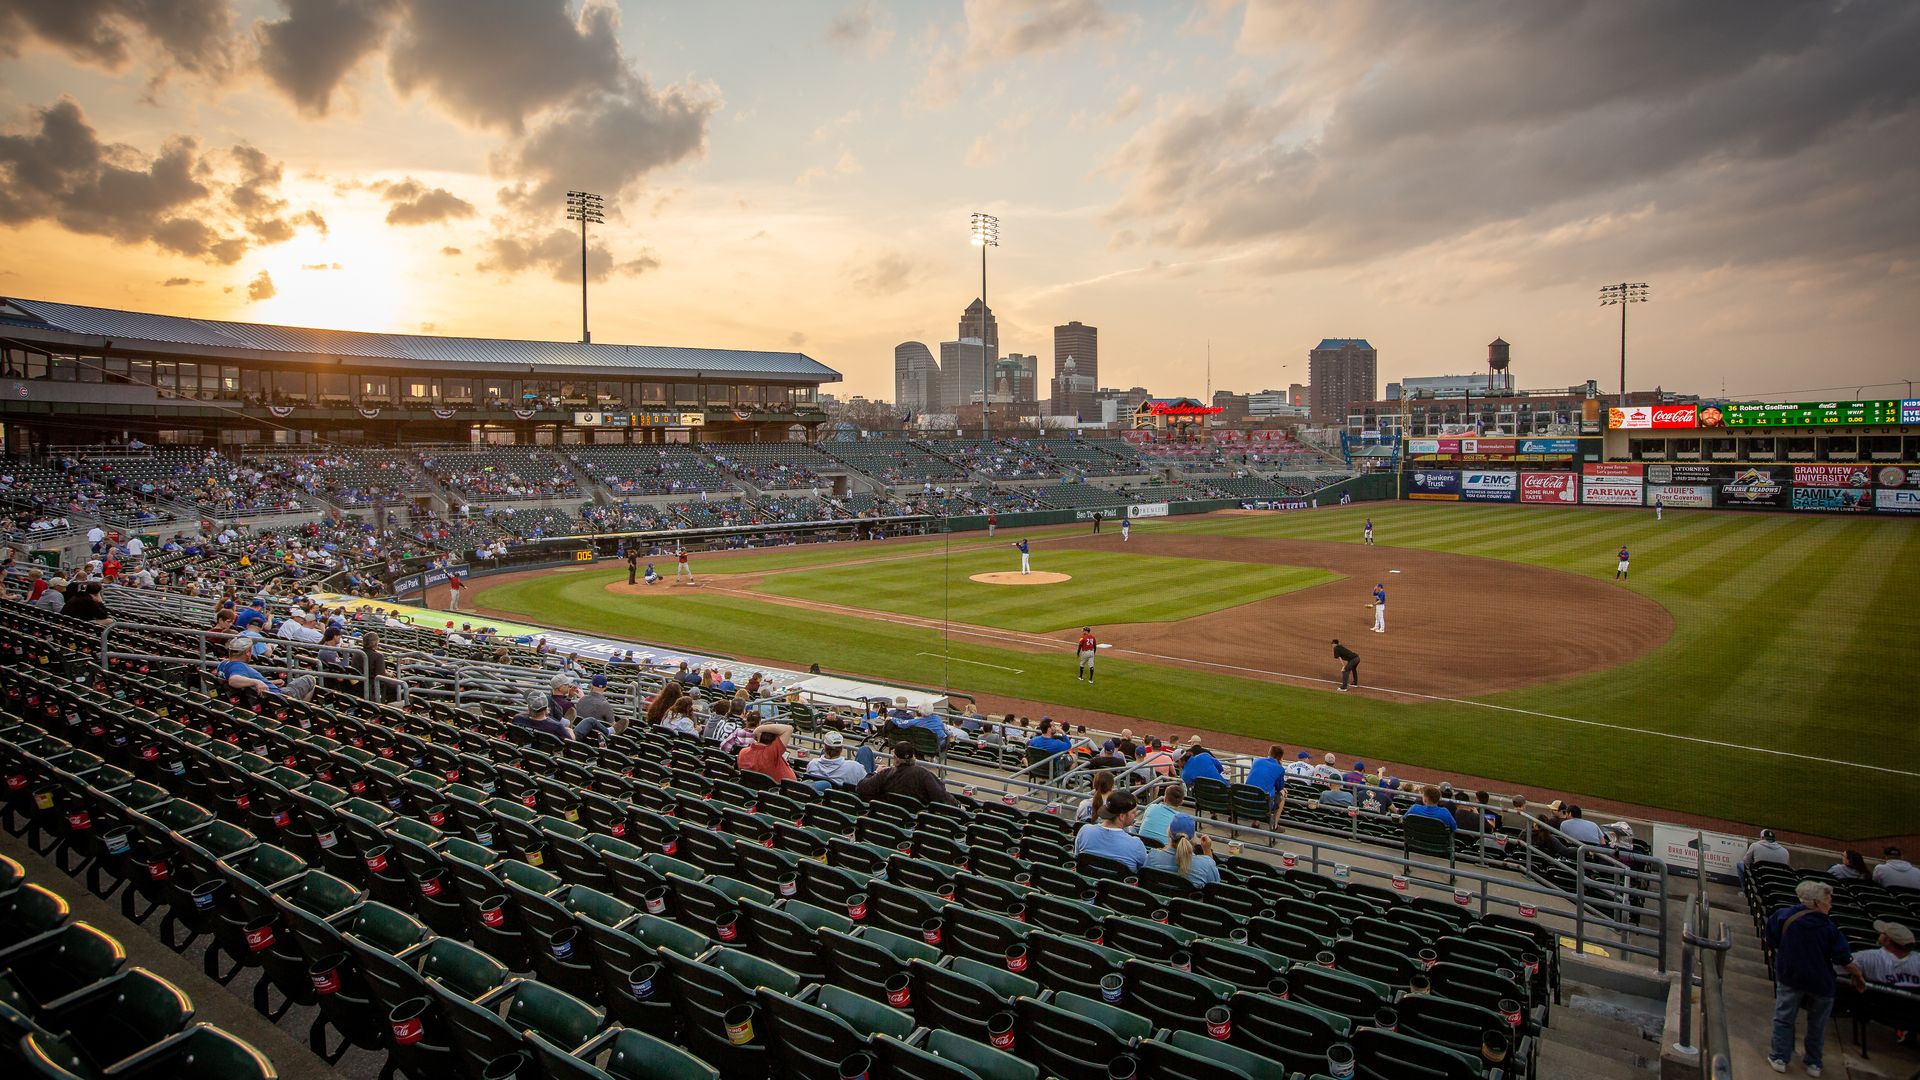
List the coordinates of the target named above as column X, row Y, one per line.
column 1559, row 1061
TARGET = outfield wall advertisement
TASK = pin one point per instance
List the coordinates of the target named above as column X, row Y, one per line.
column 1834, row 476
column 1143, row 510
column 1610, row 490
column 1489, row 486
column 1434, row 485
column 1846, row 500
column 1557, row 488
column 1757, row 486
column 1691, row 496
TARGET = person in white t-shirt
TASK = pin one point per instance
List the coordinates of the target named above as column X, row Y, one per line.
column 1894, row 963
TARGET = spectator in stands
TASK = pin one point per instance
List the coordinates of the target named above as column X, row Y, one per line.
column 1189, row 854
column 1767, row 849
column 1484, row 804
column 254, row 614
column 1851, row 867
column 1108, row 757
column 593, row 713
column 906, row 776
column 1807, row 947
column 1200, row 763
column 561, row 705
column 1429, row 807
column 1896, row 872
column 1269, row 774
column 1109, row 836
column 1577, row 828
column 83, row 602
column 1328, row 770
column 55, row 596
column 539, row 717
column 1301, row 766
column 1159, row 816
column 660, row 707
column 833, row 768
column 1157, row 757
column 1102, row 787
column 767, row 753
column 1052, row 738
column 376, row 666
column 235, row 672
column 1380, row 796
column 1894, row 963
column 741, row 737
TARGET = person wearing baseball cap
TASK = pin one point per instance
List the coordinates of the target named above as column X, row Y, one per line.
column 1199, row 762
column 1188, row 853
column 1896, row 872
column 234, row 671
column 1894, row 963
column 593, row 713
column 538, row 715
column 1767, row 849
column 833, row 768
column 55, row 597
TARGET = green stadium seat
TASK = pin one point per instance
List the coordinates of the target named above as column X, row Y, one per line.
column 119, row 1016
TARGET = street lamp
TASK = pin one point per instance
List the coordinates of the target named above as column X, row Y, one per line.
column 1623, row 294
column 585, row 207
column 986, row 233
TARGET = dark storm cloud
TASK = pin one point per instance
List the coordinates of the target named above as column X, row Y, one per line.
column 605, row 142
column 192, row 35
column 557, row 252
column 495, row 63
column 180, row 200
column 414, row 203
column 1414, row 124
column 310, row 52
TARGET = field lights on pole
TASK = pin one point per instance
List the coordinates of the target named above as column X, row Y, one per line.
column 585, row 207
column 1623, row 294
column 986, row 233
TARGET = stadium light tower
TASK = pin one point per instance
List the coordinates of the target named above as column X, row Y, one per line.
column 585, row 207
column 986, row 234
column 1624, row 294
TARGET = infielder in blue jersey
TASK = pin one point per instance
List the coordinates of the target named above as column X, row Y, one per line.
column 1380, row 608
column 1369, row 533
column 1620, row 572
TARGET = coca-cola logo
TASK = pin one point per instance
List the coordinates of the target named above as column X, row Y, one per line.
column 1675, row 415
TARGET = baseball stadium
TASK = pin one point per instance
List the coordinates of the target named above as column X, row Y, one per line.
column 487, row 703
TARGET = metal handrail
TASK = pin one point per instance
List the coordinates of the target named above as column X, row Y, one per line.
column 1695, row 936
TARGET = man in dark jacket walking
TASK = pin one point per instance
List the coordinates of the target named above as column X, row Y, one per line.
column 1351, row 659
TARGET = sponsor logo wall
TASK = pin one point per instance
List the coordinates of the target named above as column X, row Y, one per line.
column 1436, row 485
column 1681, row 474
column 1757, row 486
column 436, row 576
column 1489, row 486
column 1846, row 500
column 1558, row 488
column 1613, row 468
column 1652, row 417
column 1697, row 496
column 1610, row 490
column 1839, row 476
column 1140, row 510
column 1549, row 446
column 1276, row 504
column 1897, row 500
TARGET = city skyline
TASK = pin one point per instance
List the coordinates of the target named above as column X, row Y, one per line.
column 1259, row 175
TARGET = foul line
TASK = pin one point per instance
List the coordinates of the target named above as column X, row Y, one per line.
column 976, row 663
column 1054, row 643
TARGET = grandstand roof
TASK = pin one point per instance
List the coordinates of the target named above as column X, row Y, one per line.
column 137, row 331
column 1341, row 343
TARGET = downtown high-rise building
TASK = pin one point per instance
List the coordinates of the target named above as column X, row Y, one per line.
column 1016, row 379
column 1340, row 371
column 963, row 375
column 978, row 323
column 1076, row 370
column 916, row 377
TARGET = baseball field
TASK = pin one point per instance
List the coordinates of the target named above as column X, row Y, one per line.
column 1751, row 668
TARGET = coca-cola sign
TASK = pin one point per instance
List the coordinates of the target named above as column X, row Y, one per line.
column 1652, row 417
column 1549, row 487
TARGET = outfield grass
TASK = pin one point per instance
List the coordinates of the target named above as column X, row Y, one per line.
column 1790, row 632
column 1107, row 587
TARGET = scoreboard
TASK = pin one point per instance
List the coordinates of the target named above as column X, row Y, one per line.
column 1820, row 413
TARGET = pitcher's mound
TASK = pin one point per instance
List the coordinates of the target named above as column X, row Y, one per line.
column 1015, row 577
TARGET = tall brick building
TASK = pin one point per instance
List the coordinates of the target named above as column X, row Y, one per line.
column 1340, row 370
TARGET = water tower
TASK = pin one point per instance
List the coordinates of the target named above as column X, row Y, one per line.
column 1497, row 359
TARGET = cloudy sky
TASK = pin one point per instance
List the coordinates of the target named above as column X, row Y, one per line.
column 799, row 175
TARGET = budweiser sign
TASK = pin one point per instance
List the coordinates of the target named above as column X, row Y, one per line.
column 1651, row 417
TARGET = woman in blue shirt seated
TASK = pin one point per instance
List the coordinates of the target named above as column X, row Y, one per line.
column 1181, row 857
column 1107, row 835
